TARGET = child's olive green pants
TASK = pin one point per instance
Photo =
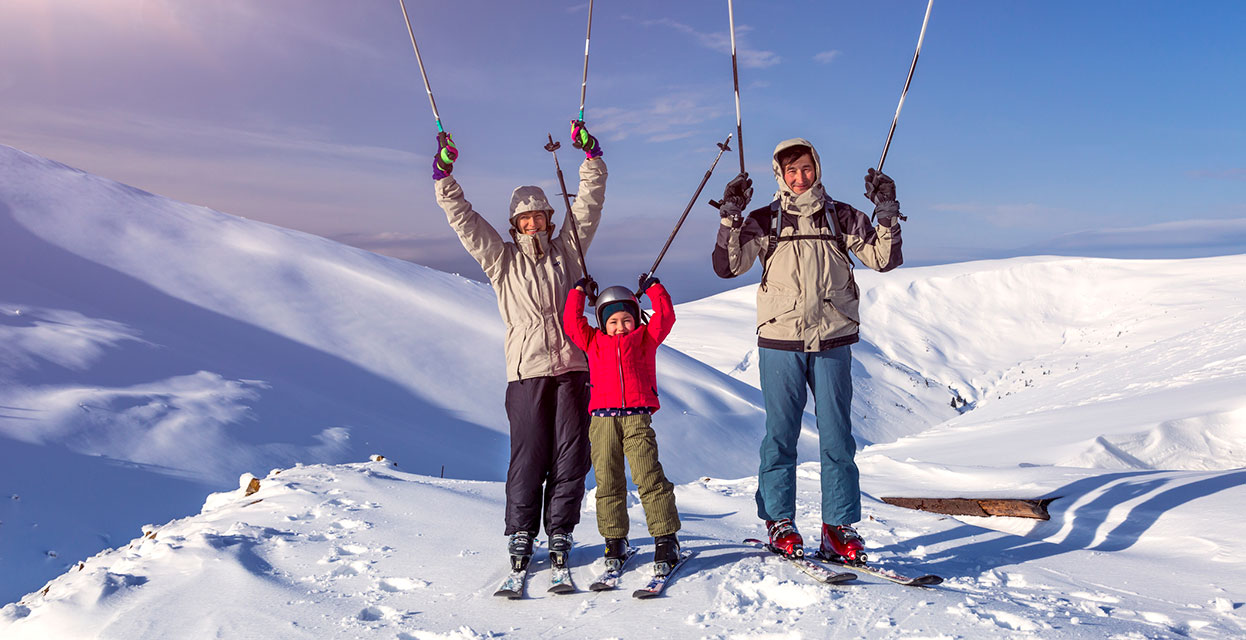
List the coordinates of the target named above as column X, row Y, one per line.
column 631, row 436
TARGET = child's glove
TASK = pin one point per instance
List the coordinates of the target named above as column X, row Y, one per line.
column 582, row 139
column 447, row 153
column 587, row 286
column 646, row 281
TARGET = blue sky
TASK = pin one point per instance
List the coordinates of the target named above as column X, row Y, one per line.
column 1099, row 128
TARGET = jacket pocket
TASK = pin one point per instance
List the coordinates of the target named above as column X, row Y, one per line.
column 846, row 301
column 776, row 313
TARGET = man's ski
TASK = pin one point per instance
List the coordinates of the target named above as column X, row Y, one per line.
column 658, row 583
column 513, row 586
column 928, row 580
column 560, row 580
column 610, row 579
column 808, row 567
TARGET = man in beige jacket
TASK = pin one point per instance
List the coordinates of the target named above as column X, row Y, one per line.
column 547, row 390
column 807, row 320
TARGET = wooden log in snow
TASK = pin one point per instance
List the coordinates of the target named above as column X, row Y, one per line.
column 1011, row 507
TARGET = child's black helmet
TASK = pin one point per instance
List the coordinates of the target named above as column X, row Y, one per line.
column 614, row 300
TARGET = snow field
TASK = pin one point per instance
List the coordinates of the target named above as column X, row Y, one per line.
column 152, row 351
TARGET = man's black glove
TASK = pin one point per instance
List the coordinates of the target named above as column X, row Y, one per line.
column 887, row 212
column 736, row 196
column 878, row 187
column 645, row 282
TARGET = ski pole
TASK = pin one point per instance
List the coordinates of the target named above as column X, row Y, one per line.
column 575, row 234
column 419, row 60
column 722, row 146
column 584, row 83
column 912, row 68
column 735, row 78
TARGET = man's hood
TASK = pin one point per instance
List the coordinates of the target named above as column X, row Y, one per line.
column 811, row 200
column 778, row 171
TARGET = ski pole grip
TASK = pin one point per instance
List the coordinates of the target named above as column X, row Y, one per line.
column 716, row 204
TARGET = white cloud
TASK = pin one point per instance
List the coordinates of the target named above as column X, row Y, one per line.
column 721, row 42
column 826, row 57
column 669, row 117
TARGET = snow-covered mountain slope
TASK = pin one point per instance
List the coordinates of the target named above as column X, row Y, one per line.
column 364, row 550
column 152, row 351
column 1124, row 364
column 145, row 337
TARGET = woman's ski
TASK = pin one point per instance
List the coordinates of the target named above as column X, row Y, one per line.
column 513, row 586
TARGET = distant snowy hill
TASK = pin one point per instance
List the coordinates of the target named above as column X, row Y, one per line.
column 151, row 352
column 177, row 347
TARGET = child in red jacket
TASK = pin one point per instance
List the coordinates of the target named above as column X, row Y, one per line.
column 624, row 396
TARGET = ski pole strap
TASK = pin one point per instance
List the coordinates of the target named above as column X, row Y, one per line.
column 447, row 152
column 581, row 134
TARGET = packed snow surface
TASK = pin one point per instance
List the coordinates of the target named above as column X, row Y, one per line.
column 154, row 352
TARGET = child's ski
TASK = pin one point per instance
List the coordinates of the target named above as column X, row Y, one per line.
column 927, row 580
column 808, row 567
column 513, row 586
column 658, row 583
column 610, row 579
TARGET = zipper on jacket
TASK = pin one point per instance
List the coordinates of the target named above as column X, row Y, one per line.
column 618, row 359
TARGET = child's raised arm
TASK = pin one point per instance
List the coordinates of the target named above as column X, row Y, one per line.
column 573, row 321
column 663, row 318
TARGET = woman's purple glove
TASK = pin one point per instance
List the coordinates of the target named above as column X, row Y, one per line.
column 447, row 153
column 582, row 139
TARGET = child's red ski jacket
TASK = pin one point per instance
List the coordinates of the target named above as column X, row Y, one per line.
column 621, row 368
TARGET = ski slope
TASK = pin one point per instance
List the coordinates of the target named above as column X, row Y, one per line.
column 153, row 352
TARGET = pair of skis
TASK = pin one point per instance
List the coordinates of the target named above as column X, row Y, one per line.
column 517, row 580
column 815, row 567
column 515, row 584
column 561, row 582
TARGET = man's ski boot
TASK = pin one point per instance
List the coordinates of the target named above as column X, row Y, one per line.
column 520, row 548
column 785, row 538
column 665, row 554
column 616, row 553
column 559, row 549
column 842, row 542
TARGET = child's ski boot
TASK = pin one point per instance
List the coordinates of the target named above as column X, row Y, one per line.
column 665, row 554
column 616, row 553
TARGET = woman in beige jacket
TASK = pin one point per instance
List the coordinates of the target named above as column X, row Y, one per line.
column 531, row 268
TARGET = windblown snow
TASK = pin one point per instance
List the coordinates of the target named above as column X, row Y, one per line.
column 154, row 352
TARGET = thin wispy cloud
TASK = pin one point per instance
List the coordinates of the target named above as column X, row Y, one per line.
column 1015, row 215
column 1221, row 174
column 669, row 117
column 721, row 42
column 826, row 57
